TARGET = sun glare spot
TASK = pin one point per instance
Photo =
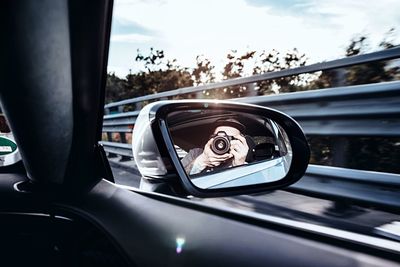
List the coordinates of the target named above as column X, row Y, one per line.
column 179, row 244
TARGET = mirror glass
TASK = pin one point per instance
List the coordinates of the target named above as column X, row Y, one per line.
column 220, row 149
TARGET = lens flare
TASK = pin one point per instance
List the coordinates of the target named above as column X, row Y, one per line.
column 179, row 244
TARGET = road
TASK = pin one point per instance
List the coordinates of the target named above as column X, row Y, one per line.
column 345, row 216
column 125, row 176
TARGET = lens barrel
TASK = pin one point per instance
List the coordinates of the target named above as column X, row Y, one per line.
column 221, row 144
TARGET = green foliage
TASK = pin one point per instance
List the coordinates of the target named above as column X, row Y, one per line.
column 275, row 61
column 160, row 74
column 234, row 68
column 374, row 72
column 236, row 63
column 151, row 61
column 203, row 73
column 116, row 89
column 371, row 72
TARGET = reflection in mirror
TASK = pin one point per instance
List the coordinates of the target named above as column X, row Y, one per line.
column 220, row 149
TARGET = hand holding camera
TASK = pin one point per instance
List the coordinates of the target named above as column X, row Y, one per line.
column 222, row 147
column 239, row 150
column 210, row 159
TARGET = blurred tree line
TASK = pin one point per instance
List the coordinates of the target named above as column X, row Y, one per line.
column 160, row 74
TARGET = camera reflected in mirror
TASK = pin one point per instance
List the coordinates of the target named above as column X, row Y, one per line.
column 219, row 148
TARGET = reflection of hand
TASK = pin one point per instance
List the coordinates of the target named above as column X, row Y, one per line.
column 239, row 150
column 209, row 158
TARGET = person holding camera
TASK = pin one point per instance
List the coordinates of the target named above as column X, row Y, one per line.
column 226, row 148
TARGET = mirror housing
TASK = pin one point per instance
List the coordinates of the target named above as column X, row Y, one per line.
column 157, row 158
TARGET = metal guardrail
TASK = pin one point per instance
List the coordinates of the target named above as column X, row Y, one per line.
column 121, row 122
column 334, row 64
column 118, row 148
column 365, row 187
column 362, row 110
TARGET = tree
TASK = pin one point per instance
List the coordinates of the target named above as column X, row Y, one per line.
column 159, row 75
column 203, row 73
column 116, row 88
column 251, row 62
column 273, row 61
column 152, row 60
column 374, row 72
column 234, row 68
column 236, row 63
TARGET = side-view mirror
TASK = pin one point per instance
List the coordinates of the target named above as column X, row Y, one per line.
column 219, row 148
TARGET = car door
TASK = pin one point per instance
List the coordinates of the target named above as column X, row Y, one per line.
column 67, row 211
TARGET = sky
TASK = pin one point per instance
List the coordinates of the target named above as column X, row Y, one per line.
column 185, row 29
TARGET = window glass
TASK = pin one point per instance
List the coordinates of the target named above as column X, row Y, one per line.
column 161, row 45
column 157, row 46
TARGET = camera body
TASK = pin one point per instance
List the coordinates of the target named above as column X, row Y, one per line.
column 221, row 143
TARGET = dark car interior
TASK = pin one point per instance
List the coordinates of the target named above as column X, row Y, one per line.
column 34, row 234
column 61, row 209
column 55, row 46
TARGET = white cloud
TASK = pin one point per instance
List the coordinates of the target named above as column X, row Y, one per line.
column 321, row 29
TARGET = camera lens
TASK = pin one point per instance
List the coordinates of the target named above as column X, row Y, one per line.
column 220, row 145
